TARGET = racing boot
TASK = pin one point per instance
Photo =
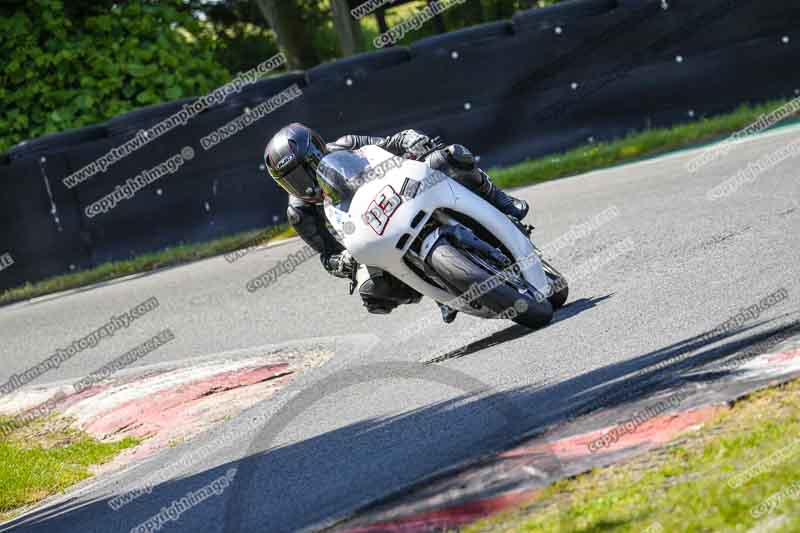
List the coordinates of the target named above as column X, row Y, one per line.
column 505, row 203
column 458, row 162
column 448, row 313
column 381, row 292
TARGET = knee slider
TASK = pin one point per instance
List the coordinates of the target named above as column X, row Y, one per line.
column 294, row 216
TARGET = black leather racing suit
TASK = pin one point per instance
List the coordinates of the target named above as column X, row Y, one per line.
column 309, row 221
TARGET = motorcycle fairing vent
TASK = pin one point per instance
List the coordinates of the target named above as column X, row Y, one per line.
column 410, row 188
column 402, row 242
column 417, row 219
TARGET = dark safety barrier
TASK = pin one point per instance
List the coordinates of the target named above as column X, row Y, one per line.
column 545, row 81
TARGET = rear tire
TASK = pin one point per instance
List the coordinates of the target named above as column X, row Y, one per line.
column 461, row 273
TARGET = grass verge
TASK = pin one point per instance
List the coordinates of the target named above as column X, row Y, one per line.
column 632, row 148
column 175, row 255
column 686, row 485
column 44, row 458
column 576, row 161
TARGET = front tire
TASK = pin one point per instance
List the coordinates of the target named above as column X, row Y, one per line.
column 559, row 297
column 461, row 273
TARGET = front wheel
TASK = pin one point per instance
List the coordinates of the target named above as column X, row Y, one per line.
column 464, row 275
column 559, row 283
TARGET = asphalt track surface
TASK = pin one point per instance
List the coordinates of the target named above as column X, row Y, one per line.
column 375, row 419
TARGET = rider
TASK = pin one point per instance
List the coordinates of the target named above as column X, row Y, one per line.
column 292, row 156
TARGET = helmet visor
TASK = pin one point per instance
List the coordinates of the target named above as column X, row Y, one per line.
column 299, row 182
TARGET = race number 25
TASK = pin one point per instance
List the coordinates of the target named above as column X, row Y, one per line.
column 381, row 209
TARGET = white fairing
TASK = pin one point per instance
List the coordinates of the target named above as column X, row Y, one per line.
column 370, row 248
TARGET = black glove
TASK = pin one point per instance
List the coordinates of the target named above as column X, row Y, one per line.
column 423, row 148
column 341, row 265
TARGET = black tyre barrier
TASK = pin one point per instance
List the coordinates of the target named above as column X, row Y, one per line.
column 546, row 17
column 259, row 91
column 472, row 36
column 358, row 66
column 56, row 142
column 546, row 81
column 45, row 235
column 130, row 123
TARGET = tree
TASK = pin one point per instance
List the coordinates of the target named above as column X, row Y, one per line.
column 351, row 39
column 286, row 19
column 65, row 67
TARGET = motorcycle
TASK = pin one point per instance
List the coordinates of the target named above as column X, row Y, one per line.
column 436, row 236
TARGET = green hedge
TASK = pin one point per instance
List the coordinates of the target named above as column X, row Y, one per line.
column 65, row 69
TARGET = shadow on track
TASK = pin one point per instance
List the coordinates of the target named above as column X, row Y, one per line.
column 516, row 331
column 293, row 486
column 578, row 306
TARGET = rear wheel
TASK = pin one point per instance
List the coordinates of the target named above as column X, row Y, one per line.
column 462, row 272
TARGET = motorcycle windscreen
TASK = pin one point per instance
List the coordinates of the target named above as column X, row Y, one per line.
column 340, row 174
